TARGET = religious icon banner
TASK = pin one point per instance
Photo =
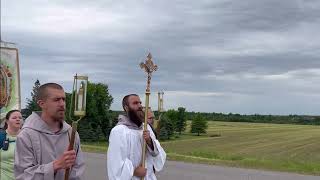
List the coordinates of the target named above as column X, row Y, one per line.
column 9, row 79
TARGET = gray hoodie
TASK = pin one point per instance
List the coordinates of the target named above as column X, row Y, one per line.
column 37, row 147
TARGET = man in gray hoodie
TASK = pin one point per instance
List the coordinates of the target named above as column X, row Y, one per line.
column 41, row 146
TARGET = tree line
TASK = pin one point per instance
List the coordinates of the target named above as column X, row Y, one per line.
column 100, row 119
column 258, row 118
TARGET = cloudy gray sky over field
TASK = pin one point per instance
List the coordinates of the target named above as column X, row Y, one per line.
column 250, row 56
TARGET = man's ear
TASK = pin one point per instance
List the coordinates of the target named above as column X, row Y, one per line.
column 40, row 103
column 126, row 108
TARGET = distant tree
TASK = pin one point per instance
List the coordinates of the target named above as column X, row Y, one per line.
column 317, row 121
column 181, row 121
column 199, row 125
column 163, row 134
column 32, row 104
column 166, row 128
column 172, row 116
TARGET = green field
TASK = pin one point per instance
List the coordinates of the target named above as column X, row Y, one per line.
column 281, row 147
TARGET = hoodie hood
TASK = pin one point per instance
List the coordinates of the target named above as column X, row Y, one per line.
column 124, row 120
column 35, row 122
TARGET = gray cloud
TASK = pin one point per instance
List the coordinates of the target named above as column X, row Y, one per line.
column 224, row 56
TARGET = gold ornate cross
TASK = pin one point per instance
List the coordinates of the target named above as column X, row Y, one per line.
column 149, row 67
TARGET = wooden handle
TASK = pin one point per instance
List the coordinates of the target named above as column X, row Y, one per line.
column 71, row 145
column 143, row 159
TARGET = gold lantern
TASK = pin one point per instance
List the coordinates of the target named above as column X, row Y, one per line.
column 78, row 108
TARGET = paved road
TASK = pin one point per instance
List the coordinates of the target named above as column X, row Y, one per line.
column 96, row 170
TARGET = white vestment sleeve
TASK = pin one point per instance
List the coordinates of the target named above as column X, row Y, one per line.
column 158, row 153
column 160, row 159
column 155, row 151
column 119, row 167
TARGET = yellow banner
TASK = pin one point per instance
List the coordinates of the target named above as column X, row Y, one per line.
column 9, row 79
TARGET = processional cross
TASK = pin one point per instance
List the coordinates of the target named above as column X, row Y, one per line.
column 149, row 67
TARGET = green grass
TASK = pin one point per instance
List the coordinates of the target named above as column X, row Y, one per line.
column 280, row 147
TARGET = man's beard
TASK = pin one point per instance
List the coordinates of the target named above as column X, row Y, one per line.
column 58, row 119
column 136, row 116
column 59, row 116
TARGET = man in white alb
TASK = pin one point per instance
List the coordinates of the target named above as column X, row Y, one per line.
column 125, row 145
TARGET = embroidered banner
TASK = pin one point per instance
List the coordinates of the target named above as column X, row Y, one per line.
column 9, row 79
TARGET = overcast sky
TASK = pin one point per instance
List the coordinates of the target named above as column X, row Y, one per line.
column 250, row 56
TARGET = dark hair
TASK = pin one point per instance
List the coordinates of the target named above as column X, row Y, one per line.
column 125, row 100
column 42, row 91
column 7, row 118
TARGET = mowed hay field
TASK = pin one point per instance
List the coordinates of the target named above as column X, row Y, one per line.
column 277, row 147
column 281, row 147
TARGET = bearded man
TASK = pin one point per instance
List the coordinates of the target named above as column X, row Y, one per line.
column 125, row 145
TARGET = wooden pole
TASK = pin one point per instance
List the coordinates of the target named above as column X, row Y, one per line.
column 144, row 146
column 71, row 146
column 77, row 106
